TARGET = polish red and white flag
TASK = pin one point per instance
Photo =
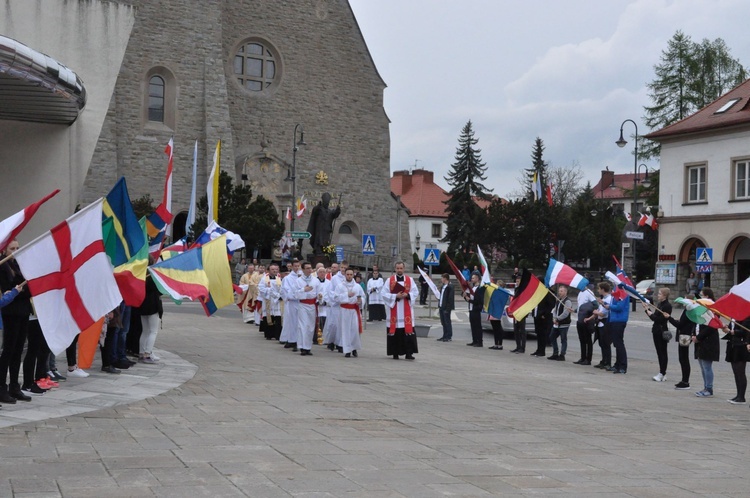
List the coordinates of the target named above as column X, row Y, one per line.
column 12, row 226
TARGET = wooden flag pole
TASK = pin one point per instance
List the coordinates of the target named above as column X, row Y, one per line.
column 6, row 259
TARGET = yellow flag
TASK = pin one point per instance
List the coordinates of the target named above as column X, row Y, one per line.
column 216, row 266
column 213, row 186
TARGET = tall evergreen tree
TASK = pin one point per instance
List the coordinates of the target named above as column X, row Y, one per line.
column 688, row 77
column 539, row 166
column 465, row 219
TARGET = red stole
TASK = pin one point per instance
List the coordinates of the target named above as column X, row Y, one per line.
column 355, row 307
column 408, row 325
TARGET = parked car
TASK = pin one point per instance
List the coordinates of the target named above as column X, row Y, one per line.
column 646, row 288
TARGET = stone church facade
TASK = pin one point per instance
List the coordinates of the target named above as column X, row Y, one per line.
column 246, row 72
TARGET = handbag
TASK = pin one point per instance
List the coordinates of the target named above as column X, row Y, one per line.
column 666, row 335
column 685, row 340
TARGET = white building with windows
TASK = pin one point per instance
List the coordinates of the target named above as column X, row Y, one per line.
column 425, row 201
column 704, row 190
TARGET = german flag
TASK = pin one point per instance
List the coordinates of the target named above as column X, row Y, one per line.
column 527, row 296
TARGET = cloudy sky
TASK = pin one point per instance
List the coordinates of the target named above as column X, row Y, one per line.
column 568, row 71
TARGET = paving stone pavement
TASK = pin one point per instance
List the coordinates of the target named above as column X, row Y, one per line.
column 258, row 420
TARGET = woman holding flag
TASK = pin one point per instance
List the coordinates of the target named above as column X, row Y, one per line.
column 706, row 350
column 659, row 316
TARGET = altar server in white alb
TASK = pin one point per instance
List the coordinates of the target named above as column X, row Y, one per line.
column 289, row 288
column 308, row 293
column 332, row 313
column 376, row 308
column 351, row 298
column 400, row 292
column 270, row 290
column 322, row 303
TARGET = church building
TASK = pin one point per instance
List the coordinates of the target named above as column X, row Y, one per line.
column 261, row 76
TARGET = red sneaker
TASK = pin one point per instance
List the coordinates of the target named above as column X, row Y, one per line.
column 47, row 383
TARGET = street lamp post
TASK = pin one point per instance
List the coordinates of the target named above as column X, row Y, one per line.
column 292, row 176
column 621, row 142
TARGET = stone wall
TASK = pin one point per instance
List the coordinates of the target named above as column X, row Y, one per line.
column 328, row 84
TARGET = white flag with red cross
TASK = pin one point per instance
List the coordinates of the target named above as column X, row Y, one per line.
column 70, row 277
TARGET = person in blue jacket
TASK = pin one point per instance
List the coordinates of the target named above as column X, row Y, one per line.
column 618, row 318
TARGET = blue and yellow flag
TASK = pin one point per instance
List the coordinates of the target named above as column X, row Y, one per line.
column 182, row 277
column 216, row 266
column 126, row 236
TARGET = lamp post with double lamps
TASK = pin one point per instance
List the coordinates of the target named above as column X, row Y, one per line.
column 621, row 142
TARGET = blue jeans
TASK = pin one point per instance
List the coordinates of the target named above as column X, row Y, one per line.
column 445, row 321
column 122, row 336
column 562, row 333
column 707, row 370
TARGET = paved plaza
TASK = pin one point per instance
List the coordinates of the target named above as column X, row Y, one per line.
column 227, row 413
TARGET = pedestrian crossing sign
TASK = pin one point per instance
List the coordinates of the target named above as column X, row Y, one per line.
column 704, row 257
column 368, row 245
column 432, row 257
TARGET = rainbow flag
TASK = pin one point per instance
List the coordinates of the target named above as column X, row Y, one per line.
column 182, row 277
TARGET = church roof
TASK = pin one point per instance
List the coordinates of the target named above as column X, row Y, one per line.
column 731, row 110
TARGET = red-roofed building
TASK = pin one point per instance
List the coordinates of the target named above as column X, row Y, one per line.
column 425, row 201
column 612, row 187
column 704, row 189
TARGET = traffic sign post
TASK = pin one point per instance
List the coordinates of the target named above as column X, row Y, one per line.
column 368, row 244
column 704, row 258
column 431, row 257
column 634, row 235
column 298, row 235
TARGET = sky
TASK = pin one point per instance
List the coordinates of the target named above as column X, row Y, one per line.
column 567, row 71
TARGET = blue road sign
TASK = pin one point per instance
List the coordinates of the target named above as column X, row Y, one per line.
column 368, row 244
column 432, row 257
column 704, row 257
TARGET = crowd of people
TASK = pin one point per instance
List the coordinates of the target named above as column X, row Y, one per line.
column 601, row 316
column 326, row 306
column 125, row 332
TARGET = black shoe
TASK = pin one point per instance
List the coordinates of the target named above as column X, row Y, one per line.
column 440, row 339
column 471, row 344
column 354, row 353
column 331, row 346
column 521, row 351
column 561, row 358
column 537, row 353
column 553, row 357
column 587, row 363
column 123, row 364
column 478, row 345
column 395, row 357
column 579, row 362
column 33, row 390
column 340, row 349
column 514, row 350
column 348, row 355
column 448, row 340
column 19, row 395
column 110, row 369
column 7, row 398
column 409, row 357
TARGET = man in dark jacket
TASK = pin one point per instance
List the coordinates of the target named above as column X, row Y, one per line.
column 476, row 301
column 543, row 323
column 445, row 306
